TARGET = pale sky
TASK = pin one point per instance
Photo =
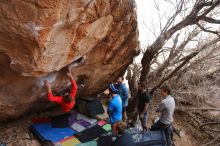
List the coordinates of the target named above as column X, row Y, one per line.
column 149, row 19
column 145, row 11
column 147, row 16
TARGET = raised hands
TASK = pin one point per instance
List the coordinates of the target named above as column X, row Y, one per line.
column 47, row 85
column 70, row 76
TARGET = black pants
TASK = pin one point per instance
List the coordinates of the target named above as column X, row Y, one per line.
column 167, row 128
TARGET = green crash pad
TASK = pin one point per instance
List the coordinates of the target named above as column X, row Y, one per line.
column 107, row 127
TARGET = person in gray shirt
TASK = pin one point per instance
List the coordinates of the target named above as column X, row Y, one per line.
column 166, row 108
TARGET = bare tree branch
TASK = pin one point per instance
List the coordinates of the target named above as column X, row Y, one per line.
column 211, row 20
column 206, row 30
column 173, row 57
column 187, row 58
column 184, row 60
column 217, row 138
column 192, row 18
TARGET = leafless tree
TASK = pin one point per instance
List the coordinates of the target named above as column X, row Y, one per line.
column 178, row 55
column 185, row 54
column 199, row 12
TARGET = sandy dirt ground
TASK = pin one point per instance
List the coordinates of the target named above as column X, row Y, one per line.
column 16, row 133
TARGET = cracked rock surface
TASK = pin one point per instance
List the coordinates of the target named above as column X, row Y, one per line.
column 42, row 39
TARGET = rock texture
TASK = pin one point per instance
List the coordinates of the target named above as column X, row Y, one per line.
column 42, row 39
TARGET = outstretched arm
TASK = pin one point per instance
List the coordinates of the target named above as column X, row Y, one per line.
column 73, row 84
column 50, row 94
column 146, row 105
column 47, row 86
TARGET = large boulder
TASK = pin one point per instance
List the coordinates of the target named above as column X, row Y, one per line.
column 95, row 40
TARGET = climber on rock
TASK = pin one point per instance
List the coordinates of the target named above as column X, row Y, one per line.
column 67, row 101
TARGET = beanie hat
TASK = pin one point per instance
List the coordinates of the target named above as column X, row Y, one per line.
column 113, row 88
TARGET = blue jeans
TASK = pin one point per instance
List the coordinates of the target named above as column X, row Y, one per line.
column 144, row 120
column 167, row 128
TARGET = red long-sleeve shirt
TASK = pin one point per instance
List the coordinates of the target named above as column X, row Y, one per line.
column 66, row 107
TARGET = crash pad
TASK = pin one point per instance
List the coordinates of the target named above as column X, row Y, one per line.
column 40, row 120
column 70, row 141
column 91, row 121
column 90, row 134
column 78, row 127
column 105, row 141
column 44, row 131
column 150, row 138
column 90, row 143
column 84, row 123
column 107, row 127
column 102, row 123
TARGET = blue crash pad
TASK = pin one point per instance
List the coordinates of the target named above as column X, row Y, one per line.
column 44, row 131
column 155, row 138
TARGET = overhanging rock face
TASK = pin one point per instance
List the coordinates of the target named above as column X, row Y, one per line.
column 42, row 39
